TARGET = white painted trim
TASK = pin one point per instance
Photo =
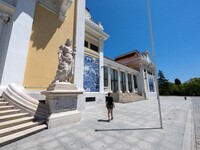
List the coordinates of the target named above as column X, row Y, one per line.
column 92, row 38
column 17, row 46
column 101, row 64
column 93, row 28
column 6, row 8
column 96, row 54
column 79, row 43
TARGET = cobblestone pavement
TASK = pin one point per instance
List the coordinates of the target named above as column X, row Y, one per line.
column 196, row 113
column 136, row 126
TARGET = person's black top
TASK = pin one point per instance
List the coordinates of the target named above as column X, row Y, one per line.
column 109, row 100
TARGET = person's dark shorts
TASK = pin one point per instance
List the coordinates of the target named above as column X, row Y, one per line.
column 109, row 106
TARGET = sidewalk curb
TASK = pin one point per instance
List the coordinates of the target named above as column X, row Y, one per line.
column 188, row 142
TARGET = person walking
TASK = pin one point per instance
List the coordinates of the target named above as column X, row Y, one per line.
column 110, row 105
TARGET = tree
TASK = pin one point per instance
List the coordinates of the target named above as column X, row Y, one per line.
column 163, row 84
column 177, row 81
column 175, row 89
column 192, row 87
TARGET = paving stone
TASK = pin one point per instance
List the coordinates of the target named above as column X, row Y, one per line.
column 136, row 126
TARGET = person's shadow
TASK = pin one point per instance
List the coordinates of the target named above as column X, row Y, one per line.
column 103, row 120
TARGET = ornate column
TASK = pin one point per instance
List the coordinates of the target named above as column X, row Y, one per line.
column 119, row 81
column 109, row 79
column 126, row 78
column 147, row 80
column 101, row 64
column 141, row 79
column 132, row 79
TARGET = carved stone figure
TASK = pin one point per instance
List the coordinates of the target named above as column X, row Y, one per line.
column 65, row 69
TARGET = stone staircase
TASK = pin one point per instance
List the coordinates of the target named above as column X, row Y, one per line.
column 16, row 124
column 127, row 97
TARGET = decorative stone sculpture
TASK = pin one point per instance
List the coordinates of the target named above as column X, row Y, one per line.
column 65, row 71
column 62, row 94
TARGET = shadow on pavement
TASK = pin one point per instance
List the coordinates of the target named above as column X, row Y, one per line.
column 96, row 130
column 103, row 120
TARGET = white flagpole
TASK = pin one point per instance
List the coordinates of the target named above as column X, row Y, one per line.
column 154, row 59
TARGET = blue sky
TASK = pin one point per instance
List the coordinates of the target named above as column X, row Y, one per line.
column 176, row 31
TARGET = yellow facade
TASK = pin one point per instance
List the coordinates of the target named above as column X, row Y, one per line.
column 48, row 33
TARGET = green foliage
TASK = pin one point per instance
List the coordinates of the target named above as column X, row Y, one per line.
column 189, row 88
column 175, row 89
column 163, row 84
column 177, row 81
column 192, row 87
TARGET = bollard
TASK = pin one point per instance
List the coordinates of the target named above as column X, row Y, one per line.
column 185, row 98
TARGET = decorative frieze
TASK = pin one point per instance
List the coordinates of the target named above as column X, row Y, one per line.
column 60, row 7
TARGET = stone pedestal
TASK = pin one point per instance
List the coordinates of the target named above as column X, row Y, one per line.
column 62, row 101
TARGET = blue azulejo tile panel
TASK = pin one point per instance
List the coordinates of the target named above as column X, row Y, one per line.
column 91, row 74
column 151, row 84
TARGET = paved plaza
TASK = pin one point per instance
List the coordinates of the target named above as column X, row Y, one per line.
column 136, row 126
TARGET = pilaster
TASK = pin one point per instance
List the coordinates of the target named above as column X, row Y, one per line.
column 126, row 76
column 18, row 43
column 132, row 80
column 79, row 43
column 119, row 81
column 109, row 79
column 101, row 64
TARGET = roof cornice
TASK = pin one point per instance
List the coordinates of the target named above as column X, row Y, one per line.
column 93, row 28
column 123, row 55
column 59, row 7
column 6, row 8
column 116, row 65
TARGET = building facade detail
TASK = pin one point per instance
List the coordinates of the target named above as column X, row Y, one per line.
column 65, row 71
column 121, row 77
column 129, row 73
column 59, row 7
column 142, row 63
column 91, row 74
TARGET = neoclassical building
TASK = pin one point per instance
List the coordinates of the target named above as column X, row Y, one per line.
column 128, row 77
column 31, row 33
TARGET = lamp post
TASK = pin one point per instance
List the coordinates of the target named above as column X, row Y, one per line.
column 154, row 59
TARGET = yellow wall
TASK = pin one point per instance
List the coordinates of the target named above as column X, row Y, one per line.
column 48, row 33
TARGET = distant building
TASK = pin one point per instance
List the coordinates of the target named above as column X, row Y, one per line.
column 142, row 63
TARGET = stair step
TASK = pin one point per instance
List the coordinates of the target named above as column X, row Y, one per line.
column 12, row 116
column 18, row 128
column 6, row 107
column 13, row 137
column 7, row 112
column 3, row 103
column 14, row 122
column 2, row 99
